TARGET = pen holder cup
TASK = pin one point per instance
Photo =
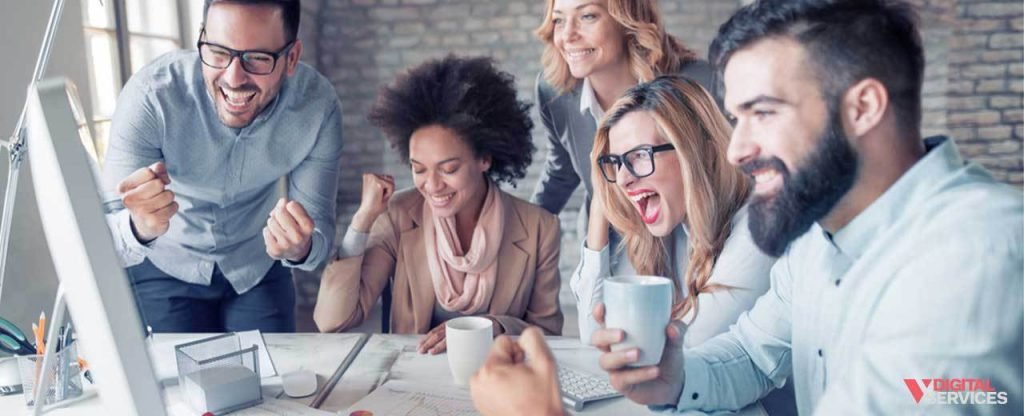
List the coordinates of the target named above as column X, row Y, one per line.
column 65, row 376
column 219, row 374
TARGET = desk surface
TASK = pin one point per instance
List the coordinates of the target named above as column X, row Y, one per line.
column 385, row 357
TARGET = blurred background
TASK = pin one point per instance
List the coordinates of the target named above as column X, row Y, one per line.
column 973, row 88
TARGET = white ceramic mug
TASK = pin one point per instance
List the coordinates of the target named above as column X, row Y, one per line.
column 469, row 340
column 641, row 307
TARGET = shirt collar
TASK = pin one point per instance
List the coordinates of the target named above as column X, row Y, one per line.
column 902, row 197
column 588, row 101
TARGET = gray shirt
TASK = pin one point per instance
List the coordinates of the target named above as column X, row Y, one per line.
column 224, row 179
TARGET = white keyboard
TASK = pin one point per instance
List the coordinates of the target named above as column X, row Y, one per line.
column 579, row 388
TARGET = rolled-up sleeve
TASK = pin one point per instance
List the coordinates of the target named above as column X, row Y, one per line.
column 135, row 142
column 314, row 184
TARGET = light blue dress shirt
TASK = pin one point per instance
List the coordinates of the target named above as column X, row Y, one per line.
column 927, row 282
column 224, row 179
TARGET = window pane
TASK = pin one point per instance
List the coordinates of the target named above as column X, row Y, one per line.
column 155, row 17
column 103, row 69
column 195, row 14
column 143, row 50
column 102, row 129
column 98, row 15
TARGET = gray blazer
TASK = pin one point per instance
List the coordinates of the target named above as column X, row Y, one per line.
column 571, row 139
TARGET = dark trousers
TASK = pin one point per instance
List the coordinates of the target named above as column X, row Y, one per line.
column 170, row 305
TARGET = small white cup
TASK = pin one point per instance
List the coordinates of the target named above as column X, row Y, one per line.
column 640, row 306
column 469, row 340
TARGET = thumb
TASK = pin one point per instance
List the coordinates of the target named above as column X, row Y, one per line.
column 675, row 332
column 598, row 313
column 536, row 350
column 160, row 170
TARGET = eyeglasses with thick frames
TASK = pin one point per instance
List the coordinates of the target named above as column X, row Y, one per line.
column 255, row 62
column 639, row 161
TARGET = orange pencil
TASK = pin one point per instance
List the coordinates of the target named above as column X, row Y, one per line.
column 42, row 328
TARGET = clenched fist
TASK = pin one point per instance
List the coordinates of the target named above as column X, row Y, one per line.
column 377, row 191
column 145, row 195
column 289, row 231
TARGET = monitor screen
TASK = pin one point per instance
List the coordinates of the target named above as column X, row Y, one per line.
column 99, row 298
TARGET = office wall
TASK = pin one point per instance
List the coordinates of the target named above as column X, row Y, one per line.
column 31, row 281
column 972, row 90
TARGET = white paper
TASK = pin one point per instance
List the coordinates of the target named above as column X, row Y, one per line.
column 411, row 365
column 400, row 398
column 269, row 407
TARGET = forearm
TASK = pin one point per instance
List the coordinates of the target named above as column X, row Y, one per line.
column 587, row 287
column 338, row 303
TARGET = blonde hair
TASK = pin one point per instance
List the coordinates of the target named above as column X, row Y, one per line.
column 651, row 51
column 688, row 118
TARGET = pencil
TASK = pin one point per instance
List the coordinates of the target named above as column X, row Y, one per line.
column 42, row 332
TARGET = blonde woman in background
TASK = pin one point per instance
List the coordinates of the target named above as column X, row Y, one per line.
column 594, row 51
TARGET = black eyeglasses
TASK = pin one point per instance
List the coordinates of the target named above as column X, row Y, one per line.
column 253, row 61
column 639, row 161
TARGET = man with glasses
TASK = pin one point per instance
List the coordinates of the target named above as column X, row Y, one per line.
column 197, row 145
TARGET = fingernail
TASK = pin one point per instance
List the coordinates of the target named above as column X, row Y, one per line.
column 633, row 354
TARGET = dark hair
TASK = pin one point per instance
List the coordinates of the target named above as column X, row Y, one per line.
column 846, row 41
column 471, row 97
column 291, row 10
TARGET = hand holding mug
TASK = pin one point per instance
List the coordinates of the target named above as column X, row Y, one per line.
column 659, row 384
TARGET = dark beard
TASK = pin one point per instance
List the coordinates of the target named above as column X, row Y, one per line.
column 807, row 196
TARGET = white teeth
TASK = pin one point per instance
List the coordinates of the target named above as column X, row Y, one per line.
column 237, row 98
column 442, row 198
column 640, row 197
column 576, row 53
column 765, row 176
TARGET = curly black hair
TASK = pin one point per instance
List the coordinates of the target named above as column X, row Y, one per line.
column 471, row 97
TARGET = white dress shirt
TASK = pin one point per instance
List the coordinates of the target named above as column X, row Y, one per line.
column 924, row 283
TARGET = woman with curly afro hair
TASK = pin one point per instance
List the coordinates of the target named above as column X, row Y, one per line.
column 456, row 245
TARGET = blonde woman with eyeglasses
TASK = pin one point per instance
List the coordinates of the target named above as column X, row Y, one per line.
column 663, row 183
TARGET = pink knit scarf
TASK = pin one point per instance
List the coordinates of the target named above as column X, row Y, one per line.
column 465, row 282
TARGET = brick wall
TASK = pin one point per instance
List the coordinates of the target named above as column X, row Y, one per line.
column 983, row 108
column 973, row 79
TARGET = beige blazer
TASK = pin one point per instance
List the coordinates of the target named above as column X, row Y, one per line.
column 525, row 293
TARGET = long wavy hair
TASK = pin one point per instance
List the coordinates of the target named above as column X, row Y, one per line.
column 651, row 51
column 687, row 117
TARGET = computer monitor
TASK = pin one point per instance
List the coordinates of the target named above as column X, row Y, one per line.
column 98, row 294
